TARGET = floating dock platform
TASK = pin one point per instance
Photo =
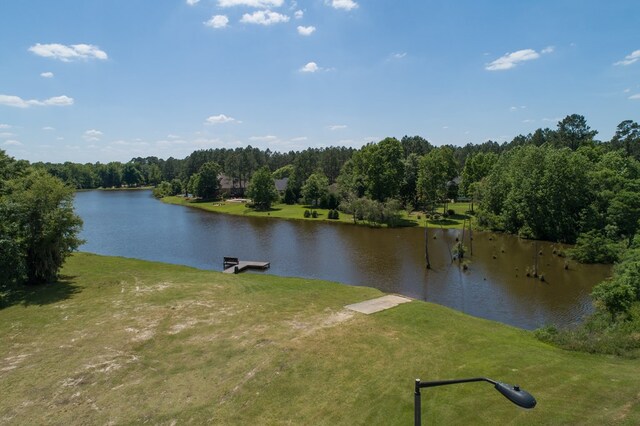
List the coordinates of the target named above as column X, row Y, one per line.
column 232, row 265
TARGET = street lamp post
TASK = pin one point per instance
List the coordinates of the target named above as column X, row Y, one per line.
column 514, row 394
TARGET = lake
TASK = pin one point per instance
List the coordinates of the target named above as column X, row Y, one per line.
column 134, row 224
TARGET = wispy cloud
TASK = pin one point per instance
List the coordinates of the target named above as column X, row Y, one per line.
column 68, row 53
column 631, row 58
column 47, row 74
column 398, row 55
column 221, row 119
column 264, row 17
column 4, row 126
column 18, row 102
column 343, row 4
column 337, row 126
column 92, row 135
column 635, row 97
column 310, row 67
column 298, row 14
column 192, row 2
column 306, row 31
column 12, row 142
column 251, row 3
column 510, row 60
column 217, row 21
column 48, row 128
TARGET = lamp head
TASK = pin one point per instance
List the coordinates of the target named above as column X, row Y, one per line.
column 516, row 395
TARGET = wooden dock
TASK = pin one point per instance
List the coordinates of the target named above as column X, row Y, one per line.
column 232, row 265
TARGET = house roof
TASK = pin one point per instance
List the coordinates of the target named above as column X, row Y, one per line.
column 281, row 184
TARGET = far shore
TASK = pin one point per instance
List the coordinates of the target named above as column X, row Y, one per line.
column 296, row 212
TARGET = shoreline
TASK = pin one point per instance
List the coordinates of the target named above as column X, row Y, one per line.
column 296, row 212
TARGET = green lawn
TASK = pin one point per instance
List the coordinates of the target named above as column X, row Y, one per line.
column 296, row 211
column 126, row 341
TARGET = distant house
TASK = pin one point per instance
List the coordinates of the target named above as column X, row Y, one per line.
column 281, row 185
column 230, row 187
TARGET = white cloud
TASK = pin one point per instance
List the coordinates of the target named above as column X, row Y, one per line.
column 337, row 126
column 310, row 67
column 192, row 2
column 299, row 139
column 12, row 142
column 306, row 31
column 221, row 119
column 635, row 97
column 92, row 135
column 68, row 53
column 47, row 74
column 264, row 17
column 48, row 128
column 298, row 14
column 5, row 126
column 510, row 60
column 217, row 21
column 399, row 55
column 18, row 102
column 59, row 101
column 267, row 138
column 548, row 49
column 5, row 135
column 630, row 59
column 343, row 4
column 251, row 3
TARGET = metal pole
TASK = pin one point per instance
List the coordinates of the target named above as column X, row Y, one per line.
column 417, row 412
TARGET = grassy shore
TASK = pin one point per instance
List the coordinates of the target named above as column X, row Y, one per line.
column 296, row 211
column 125, row 341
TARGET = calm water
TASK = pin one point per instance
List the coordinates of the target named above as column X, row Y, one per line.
column 134, row 224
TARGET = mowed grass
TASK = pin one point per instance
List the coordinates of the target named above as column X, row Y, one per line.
column 122, row 341
column 296, row 211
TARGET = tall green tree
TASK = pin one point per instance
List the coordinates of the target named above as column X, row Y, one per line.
column 262, row 189
column 316, row 187
column 477, row 167
column 437, row 168
column 382, row 166
column 38, row 228
column 207, row 183
column 627, row 137
column 573, row 132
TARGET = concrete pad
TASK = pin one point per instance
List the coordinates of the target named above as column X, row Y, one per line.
column 377, row 305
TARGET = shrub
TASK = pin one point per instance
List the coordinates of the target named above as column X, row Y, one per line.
column 595, row 247
column 307, row 214
column 451, row 212
column 314, row 214
column 336, row 215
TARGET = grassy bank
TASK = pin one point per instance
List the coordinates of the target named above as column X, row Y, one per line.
column 296, row 211
column 127, row 341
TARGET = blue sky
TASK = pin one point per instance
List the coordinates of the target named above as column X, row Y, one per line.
column 111, row 80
